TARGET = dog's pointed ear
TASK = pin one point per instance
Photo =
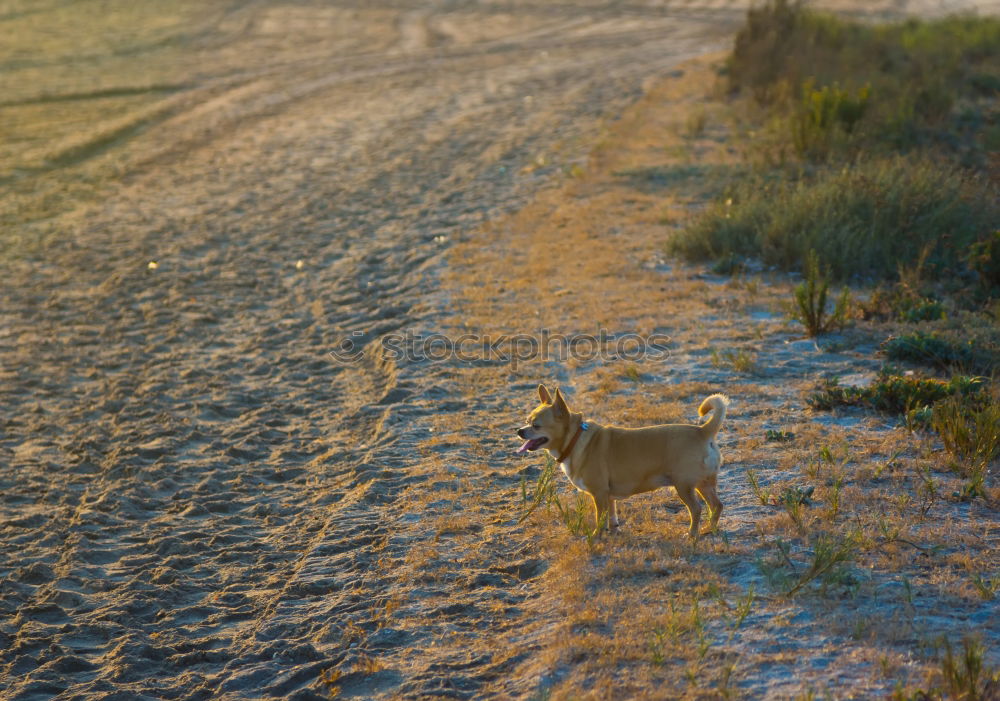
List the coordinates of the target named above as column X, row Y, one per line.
column 559, row 405
column 544, row 395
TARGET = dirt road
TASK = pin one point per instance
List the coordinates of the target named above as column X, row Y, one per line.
column 197, row 500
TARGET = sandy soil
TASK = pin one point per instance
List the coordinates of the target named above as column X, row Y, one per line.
column 198, row 501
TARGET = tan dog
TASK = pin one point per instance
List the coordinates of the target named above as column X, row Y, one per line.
column 611, row 463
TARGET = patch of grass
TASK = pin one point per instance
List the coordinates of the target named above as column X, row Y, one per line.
column 970, row 344
column 882, row 132
column 329, row 679
column 902, row 303
column 694, row 125
column 829, row 552
column 987, row 588
column 825, row 116
column 896, row 394
column 573, row 513
column 855, row 219
column 930, row 348
column 742, row 360
column 893, row 86
column 778, row 436
column 970, row 431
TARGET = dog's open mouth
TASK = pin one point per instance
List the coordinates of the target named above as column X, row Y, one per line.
column 533, row 444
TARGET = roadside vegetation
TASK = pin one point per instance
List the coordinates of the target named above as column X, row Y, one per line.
column 865, row 168
column 871, row 144
column 873, row 162
column 856, row 552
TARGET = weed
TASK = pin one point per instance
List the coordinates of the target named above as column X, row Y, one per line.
column 694, row 125
column 367, row 665
column 922, row 309
column 632, row 373
column 928, row 490
column 543, row 490
column 828, row 552
column 793, row 499
column 810, row 301
column 573, row 514
column 780, row 570
column 743, row 608
column 778, row 436
column 987, row 588
column 741, row 361
column 763, row 495
column 329, row 679
column 902, row 302
column 794, row 509
column 970, row 431
column 984, row 258
column 964, row 675
column 798, row 495
column 833, row 497
column 656, row 646
column 725, row 688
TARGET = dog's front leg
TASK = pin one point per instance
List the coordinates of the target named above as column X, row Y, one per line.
column 603, row 504
column 613, row 521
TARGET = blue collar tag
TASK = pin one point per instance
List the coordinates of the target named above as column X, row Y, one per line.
column 584, row 426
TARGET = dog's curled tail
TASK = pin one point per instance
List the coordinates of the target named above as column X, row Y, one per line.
column 716, row 404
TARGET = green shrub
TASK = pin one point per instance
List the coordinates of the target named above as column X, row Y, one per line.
column 984, row 258
column 921, row 309
column 896, row 394
column 824, row 116
column 930, row 349
column 900, row 302
column 969, row 343
column 864, row 220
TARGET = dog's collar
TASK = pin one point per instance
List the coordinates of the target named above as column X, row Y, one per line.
column 576, row 436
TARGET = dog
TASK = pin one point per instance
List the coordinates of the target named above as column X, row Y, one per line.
column 610, row 463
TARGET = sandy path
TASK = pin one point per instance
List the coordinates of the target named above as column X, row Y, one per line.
column 197, row 501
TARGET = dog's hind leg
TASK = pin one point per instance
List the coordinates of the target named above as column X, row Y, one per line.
column 708, row 493
column 686, row 493
column 613, row 519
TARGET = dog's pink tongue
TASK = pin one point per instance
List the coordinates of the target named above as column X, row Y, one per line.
column 524, row 447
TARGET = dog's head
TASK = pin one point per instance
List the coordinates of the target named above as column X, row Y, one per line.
column 547, row 424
